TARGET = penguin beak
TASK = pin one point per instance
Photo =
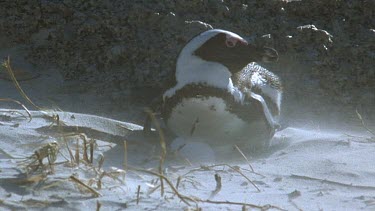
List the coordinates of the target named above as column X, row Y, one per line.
column 269, row 55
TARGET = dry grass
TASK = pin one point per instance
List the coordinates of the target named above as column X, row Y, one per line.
column 138, row 192
column 98, row 206
column 218, row 185
column 234, row 168
column 7, row 65
column 76, row 180
column 188, row 199
column 19, row 103
column 81, row 148
column 35, row 161
column 163, row 146
column 364, row 125
column 364, row 187
column 243, row 155
column 34, row 166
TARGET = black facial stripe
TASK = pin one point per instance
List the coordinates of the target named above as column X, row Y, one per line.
column 234, row 58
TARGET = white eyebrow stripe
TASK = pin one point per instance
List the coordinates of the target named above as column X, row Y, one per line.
column 236, row 39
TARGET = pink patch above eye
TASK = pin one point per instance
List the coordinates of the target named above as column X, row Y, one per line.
column 232, row 41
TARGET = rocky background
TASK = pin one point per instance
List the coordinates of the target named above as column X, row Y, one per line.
column 327, row 47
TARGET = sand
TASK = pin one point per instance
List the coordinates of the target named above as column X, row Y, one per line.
column 308, row 166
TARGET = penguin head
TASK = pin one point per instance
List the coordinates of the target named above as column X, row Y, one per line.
column 228, row 49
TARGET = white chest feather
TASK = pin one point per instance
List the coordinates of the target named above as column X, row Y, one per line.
column 208, row 119
column 197, row 71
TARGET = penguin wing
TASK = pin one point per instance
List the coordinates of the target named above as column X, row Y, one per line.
column 258, row 80
column 262, row 90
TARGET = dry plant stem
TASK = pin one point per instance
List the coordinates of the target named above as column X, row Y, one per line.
column 99, row 183
column 153, row 190
column 100, row 162
column 163, row 148
column 218, row 185
column 19, row 103
column 363, row 123
column 76, row 157
column 85, row 156
column 138, row 191
column 243, row 155
column 231, row 167
column 125, row 127
column 91, row 151
column 265, row 207
column 242, row 174
column 54, row 118
column 17, row 112
column 54, row 184
column 178, row 182
column 355, row 136
column 333, row 182
column 31, row 179
column 61, row 131
column 74, row 179
column 8, row 67
column 72, row 159
column 244, row 208
column 295, row 205
column 125, row 155
column 183, row 198
column 98, row 205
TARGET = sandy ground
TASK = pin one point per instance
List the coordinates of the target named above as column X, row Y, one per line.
column 308, row 167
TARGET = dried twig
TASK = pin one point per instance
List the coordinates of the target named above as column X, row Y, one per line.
column 363, row 123
column 187, row 199
column 35, row 161
column 264, row 207
column 72, row 159
column 183, row 198
column 101, row 161
column 8, row 67
column 242, row 174
column 138, row 191
column 153, row 190
column 76, row 157
column 19, row 103
column 85, row 155
column 91, row 151
column 238, row 170
column 98, row 205
column 76, row 180
column 178, row 182
column 17, row 112
column 244, row 208
column 243, row 155
column 163, row 147
column 31, row 179
column 125, row 155
column 332, row 182
column 218, row 186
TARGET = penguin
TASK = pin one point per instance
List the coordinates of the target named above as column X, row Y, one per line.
column 221, row 95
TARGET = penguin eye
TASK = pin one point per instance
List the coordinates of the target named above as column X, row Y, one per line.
column 230, row 43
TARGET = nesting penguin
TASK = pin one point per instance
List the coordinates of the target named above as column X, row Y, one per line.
column 221, row 95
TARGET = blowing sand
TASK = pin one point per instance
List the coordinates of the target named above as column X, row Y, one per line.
column 43, row 160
